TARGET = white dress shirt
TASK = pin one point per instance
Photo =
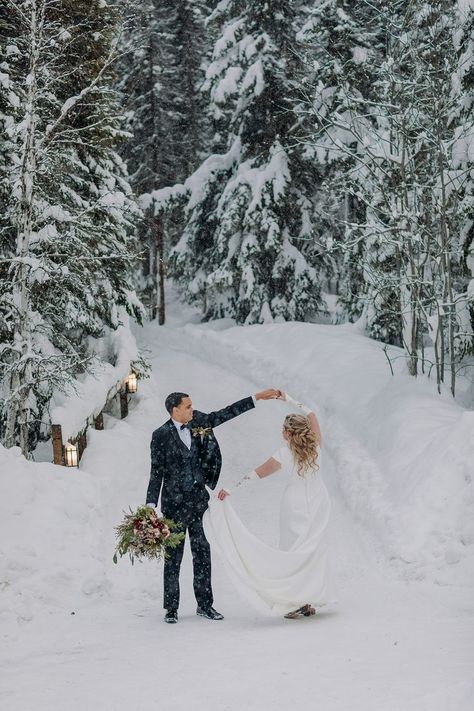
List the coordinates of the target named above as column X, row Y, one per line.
column 184, row 434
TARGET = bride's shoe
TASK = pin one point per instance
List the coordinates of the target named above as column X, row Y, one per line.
column 305, row 611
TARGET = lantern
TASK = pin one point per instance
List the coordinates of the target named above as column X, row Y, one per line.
column 131, row 383
column 70, row 455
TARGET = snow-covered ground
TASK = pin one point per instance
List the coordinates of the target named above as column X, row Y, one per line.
column 79, row 632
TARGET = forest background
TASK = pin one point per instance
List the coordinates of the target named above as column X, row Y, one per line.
column 284, row 160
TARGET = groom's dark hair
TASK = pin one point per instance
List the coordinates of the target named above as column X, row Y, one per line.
column 174, row 400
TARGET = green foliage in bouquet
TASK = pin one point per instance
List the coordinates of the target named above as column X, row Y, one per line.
column 142, row 534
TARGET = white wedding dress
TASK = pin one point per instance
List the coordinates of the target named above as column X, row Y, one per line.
column 274, row 580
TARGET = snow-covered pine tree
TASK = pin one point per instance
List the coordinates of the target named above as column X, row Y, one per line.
column 66, row 223
column 248, row 219
column 342, row 44
column 344, row 47
column 440, row 214
column 396, row 144
column 422, row 191
column 164, row 46
column 462, row 121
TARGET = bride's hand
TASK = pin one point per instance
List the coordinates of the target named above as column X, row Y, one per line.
column 222, row 494
column 270, row 394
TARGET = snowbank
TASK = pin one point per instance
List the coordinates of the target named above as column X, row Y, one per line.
column 51, row 553
column 403, row 455
column 87, row 397
column 399, row 456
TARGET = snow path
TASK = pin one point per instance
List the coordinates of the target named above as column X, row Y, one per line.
column 389, row 645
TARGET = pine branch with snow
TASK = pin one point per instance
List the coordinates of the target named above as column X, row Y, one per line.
column 67, row 225
column 243, row 251
column 391, row 142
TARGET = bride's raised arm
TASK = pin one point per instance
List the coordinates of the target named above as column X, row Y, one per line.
column 269, row 467
column 309, row 414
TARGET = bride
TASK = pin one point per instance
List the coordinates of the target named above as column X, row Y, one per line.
column 291, row 579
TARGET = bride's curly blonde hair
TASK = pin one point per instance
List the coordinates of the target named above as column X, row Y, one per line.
column 302, row 442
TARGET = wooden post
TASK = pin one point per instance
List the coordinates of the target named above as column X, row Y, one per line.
column 81, row 445
column 99, row 421
column 58, row 451
column 123, row 403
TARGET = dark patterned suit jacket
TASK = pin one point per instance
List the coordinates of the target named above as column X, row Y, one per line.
column 175, row 470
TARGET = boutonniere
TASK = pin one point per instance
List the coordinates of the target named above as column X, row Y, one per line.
column 202, row 432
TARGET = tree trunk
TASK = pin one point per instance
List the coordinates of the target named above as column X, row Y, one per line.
column 437, row 357
column 20, row 407
column 448, row 296
column 152, row 272
column 161, row 271
column 10, row 425
column 157, row 239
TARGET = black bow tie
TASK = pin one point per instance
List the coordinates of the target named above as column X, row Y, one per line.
column 184, row 427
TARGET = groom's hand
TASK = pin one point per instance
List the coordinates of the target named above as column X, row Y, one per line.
column 270, row 394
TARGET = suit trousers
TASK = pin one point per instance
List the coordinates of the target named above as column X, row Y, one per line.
column 201, row 553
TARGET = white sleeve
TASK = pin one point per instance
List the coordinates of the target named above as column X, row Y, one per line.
column 246, row 479
column 302, row 407
column 281, row 455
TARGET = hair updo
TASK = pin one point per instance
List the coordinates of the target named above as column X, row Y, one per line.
column 302, row 442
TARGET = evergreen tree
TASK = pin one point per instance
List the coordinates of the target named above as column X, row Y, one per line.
column 248, row 218
column 66, row 224
column 344, row 44
column 160, row 71
column 462, row 121
column 392, row 141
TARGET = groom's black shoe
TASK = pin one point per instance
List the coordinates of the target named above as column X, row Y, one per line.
column 209, row 613
column 171, row 616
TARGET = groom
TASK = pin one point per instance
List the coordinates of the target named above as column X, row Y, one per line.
column 185, row 457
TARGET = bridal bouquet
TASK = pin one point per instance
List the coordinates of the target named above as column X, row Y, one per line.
column 143, row 535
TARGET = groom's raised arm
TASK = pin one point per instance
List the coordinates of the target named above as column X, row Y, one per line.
column 213, row 419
